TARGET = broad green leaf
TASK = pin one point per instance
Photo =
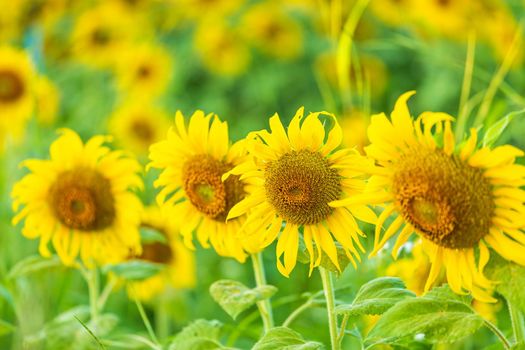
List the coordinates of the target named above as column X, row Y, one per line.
column 433, row 317
column 511, row 277
column 234, row 297
column 148, row 234
column 496, row 129
column 199, row 335
column 6, row 327
column 134, row 269
column 33, row 264
column 285, row 339
column 376, row 296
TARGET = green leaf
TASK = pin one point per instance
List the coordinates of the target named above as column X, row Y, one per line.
column 150, row 235
column 496, row 129
column 285, row 339
column 234, row 297
column 512, row 278
column 134, row 269
column 438, row 317
column 6, row 328
column 376, row 296
column 33, row 264
column 199, row 335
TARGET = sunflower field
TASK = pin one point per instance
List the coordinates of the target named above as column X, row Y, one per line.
column 262, row 174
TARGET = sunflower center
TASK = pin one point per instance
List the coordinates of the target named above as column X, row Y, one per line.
column 81, row 199
column 143, row 72
column 11, row 86
column 300, row 185
column 445, row 199
column 156, row 252
column 142, row 130
column 205, row 189
column 100, row 37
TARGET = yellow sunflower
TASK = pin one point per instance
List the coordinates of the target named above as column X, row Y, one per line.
column 80, row 200
column 456, row 198
column 102, row 33
column 47, row 100
column 136, row 126
column 16, row 92
column 179, row 269
column 221, row 49
column 272, row 31
column 143, row 71
column 193, row 160
column 204, row 9
column 295, row 177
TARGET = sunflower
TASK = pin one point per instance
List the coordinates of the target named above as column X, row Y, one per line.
column 221, row 49
column 295, row 178
column 47, row 100
column 193, row 160
column 178, row 261
column 137, row 126
column 102, row 33
column 354, row 126
column 456, row 199
column 143, row 71
column 80, row 200
column 272, row 31
column 205, row 9
column 16, row 92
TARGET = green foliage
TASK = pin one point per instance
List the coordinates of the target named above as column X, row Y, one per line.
column 199, row 335
column 134, row 269
column 437, row 317
column 511, row 278
column 234, row 297
column 148, row 235
column 496, row 129
column 285, row 339
column 376, row 296
column 32, row 264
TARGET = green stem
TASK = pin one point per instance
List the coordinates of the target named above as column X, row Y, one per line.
column 328, row 287
column 265, row 308
column 146, row 322
column 341, row 335
column 162, row 320
column 91, row 277
column 518, row 327
column 498, row 333
column 297, row 312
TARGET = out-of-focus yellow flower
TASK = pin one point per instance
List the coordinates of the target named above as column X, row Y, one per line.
column 80, row 201
column 16, row 92
column 499, row 29
column 393, row 12
column 221, row 49
column 47, row 100
column 203, row 9
column 42, row 12
column 354, row 126
column 9, row 26
column 101, row 33
column 372, row 72
column 178, row 261
column 413, row 269
column 271, row 30
column 143, row 71
column 136, row 126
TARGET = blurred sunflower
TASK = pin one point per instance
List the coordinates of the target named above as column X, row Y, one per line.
column 137, row 126
column 296, row 177
column 179, row 269
column 455, row 200
column 103, row 32
column 271, row 30
column 204, row 9
column 354, row 126
column 143, row 71
column 16, row 92
column 393, row 12
column 47, row 100
column 193, row 160
column 80, row 200
column 221, row 49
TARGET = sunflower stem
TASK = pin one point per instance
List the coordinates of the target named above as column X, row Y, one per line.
column 518, row 327
column 328, row 287
column 265, row 308
column 91, row 277
column 498, row 333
